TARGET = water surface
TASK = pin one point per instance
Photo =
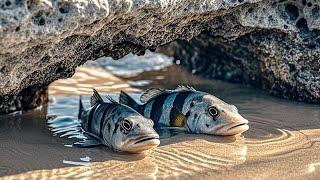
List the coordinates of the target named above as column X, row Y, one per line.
column 282, row 142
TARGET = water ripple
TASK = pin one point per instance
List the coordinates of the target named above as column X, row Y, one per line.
column 283, row 139
column 195, row 154
column 268, row 138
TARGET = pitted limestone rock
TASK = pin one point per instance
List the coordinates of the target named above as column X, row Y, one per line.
column 44, row 40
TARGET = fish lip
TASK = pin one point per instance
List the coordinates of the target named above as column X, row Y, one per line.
column 231, row 129
column 146, row 138
column 238, row 125
column 142, row 143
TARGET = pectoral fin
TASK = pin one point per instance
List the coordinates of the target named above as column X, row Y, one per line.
column 87, row 143
column 90, row 141
column 177, row 118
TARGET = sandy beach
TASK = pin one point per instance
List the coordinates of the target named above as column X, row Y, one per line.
column 282, row 142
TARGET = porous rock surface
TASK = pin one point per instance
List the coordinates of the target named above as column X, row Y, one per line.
column 272, row 61
column 44, row 40
column 279, row 51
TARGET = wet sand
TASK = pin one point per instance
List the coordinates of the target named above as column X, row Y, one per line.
column 283, row 141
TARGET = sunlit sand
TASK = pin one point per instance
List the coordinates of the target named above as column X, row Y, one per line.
column 282, row 142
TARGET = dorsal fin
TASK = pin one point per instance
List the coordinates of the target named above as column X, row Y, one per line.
column 151, row 93
column 154, row 92
column 111, row 99
column 182, row 88
column 81, row 108
column 95, row 98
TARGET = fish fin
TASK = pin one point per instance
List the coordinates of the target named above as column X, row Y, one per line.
column 111, row 99
column 91, row 135
column 87, row 143
column 95, row 98
column 81, row 108
column 151, row 93
column 177, row 118
column 90, row 141
column 183, row 88
column 154, row 92
column 128, row 100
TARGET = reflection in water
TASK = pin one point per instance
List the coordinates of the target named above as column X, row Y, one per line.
column 66, row 126
column 282, row 142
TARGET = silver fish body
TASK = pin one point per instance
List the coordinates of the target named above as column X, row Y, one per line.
column 196, row 111
column 118, row 126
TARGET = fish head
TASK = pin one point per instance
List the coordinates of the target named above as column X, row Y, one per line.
column 210, row 115
column 136, row 134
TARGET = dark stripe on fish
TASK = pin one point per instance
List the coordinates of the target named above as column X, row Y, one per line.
column 180, row 100
column 97, row 118
column 116, row 126
column 112, row 110
column 178, row 104
column 157, row 107
column 141, row 108
column 103, row 119
column 89, row 123
column 147, row 109
column 109, row 127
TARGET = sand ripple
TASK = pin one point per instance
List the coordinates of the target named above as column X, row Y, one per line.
column 197, row 154
column 268, row 138
column 179, row 155
column 282, row 142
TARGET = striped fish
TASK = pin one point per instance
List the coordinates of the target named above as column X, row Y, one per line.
column 195, row 111
column 117, row 126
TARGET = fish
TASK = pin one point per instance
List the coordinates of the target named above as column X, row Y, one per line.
column 116, row 126
column 191, row 110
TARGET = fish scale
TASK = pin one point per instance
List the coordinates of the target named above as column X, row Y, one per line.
column 98, row 118
column 156, row 110
column 172, row 108
column 103, row 123
column 147, row 109
column 178, row 104
column 166, row 109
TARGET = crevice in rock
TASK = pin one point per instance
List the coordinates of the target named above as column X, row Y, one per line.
column 27, row 99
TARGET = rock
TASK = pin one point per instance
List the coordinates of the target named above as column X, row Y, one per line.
column 274, row 46
column 274, row 61
column 29, row 98
column 44, row 40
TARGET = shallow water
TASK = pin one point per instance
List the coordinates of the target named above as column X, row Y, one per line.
column 283, row 140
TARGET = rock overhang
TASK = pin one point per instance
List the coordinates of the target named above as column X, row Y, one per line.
column 44, row 40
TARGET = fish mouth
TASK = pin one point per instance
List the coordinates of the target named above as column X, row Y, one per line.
column 144, row 143
column 238, row 125
column 233, row 129
column 144, row 139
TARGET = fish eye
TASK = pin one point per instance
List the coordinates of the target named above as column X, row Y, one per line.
column 126, row 125
column 213, row 111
